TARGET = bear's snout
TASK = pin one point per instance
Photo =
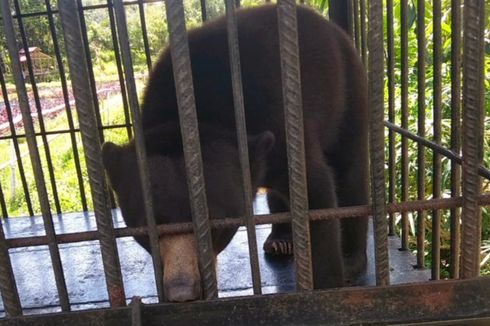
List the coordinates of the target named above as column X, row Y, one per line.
column 181, row 276
column 182, row 289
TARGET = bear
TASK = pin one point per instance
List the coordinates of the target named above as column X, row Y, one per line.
column 335, row 113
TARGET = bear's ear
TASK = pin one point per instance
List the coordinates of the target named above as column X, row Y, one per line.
column 111, row 157
column 260, row 145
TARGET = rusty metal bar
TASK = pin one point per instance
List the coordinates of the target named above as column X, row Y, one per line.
column 482, row 171
column 146, row 44
column 442, row 301
column 357, row 23
column 136, row 311
column 455, row 134
column 391, row 112
column 3, row 204
column 8, row 287
column 473, row 103
column 376, row 85
column 404, row 116
column 293, row 114
column 140, row 146
column 421, row 215
column 120, row 73
column 204, row 10
column 248, row 192
column 437, row 117
column 64, row 87
column 34, row 155
column 364, row 37
column 339, row 12
column 93, row 84
column 91, row 142
column 179, row 50
column 13, row 132
column 35, row 93
column 313, row 215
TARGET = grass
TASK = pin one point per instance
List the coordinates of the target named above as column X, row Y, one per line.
column 62, row 155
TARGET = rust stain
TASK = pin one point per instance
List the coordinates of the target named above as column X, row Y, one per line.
column 117, row 297
column 436, row 302
column 358, row 299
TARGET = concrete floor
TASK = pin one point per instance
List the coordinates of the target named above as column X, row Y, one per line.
column 82, row 264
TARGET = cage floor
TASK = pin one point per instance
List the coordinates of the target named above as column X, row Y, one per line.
column 82, row 265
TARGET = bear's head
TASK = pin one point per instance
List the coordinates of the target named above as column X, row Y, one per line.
column 169, row 190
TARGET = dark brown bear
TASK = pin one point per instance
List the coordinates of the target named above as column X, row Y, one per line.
column 335, row 120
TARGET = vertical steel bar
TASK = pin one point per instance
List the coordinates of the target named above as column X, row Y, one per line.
column 8, row 287
column 293, row 114
column 421, row 215
column 93, row 84
column 404, row 117
column 338, row 12
column 376, row 97
column 120, row 73
column 140, row 145
column 248, row 192
column 357, row 27
column 15, row 142
column 34, row 154
column 141, row 9
column 391, row 113
column 204, row 11
column 37, row 101
column 3, row 204
column 473, row 103
column 437, row 103
column 66, row 99
column 455, row 133
column 364, row 39
column 91, row 142
column 179, row 50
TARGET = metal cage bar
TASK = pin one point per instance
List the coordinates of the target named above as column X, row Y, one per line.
column 35, row 92
column 8, row 287
column 120, row 73
column 455, row 133
column 293, row 114
column 404, row 117
column 313, row 215
column 34, row 156
column 15, row 144
column 146, row 44
column 140, row 146
column 421, row 215
column 364, row 36
column 473, row 102
column 248, row 192
column 179, row 50
column 69, row 116
column 437, row 118
column 376, row 72
column 391, row 112
column 91, row 142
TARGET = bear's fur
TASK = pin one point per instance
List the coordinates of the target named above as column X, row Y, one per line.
column 334, row 96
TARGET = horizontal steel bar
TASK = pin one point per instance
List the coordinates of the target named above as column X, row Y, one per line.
column 483, row 171
column 432, row 301
column 314, row 215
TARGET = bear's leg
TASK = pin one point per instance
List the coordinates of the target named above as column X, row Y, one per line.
column 351, row 176
column 279, row 242
column 326, row 249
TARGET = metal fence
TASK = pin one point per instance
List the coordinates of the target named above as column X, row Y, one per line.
column 363, row 20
